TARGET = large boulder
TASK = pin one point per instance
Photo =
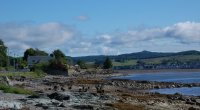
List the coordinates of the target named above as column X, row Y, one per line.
column 58, row 96
column 83, row 107
column 4, row 105
column 5, row 80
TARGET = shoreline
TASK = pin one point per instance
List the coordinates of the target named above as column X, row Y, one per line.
column 127, row 72
column 94, row 91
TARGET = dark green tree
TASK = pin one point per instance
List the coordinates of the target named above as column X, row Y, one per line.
column 58, row 54
column 40, row 52
column 98, row 63
column 140, row 63
column 3, row 54
column 60, row 61
column 82, row 64
column 107, row 63
column 33, row 52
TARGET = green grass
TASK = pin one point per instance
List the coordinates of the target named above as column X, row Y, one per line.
column 36, row 74
column 16, row 90
column 125, row 63
column 179, row 58
column 183, row 58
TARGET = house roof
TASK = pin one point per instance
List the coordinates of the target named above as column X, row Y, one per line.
column 38, row 59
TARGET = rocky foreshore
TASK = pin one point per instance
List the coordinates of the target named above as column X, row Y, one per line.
column 96, row 92
column 138, row 85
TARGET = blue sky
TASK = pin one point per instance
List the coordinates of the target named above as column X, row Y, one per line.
column 93, row 27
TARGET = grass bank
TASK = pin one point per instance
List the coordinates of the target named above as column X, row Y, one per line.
column 16, row 90
column 36, row 74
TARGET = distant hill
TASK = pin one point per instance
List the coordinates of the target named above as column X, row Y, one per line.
column 191, row 52
column 143, row 55
column 137, row 55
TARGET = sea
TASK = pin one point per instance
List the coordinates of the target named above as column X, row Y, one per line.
column 181, row 77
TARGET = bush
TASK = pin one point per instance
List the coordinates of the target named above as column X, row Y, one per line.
column 107, row 63
column 57, row 65
column 36, row 74
column 16, row 90
column 82, row 64
column 40, row 67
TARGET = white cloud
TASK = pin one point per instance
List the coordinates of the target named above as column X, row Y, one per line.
column 23, row 36
column 82, row 18
column 178, row 37
column 50, row 36
column 188, row 32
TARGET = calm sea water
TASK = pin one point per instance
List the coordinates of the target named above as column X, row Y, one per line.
column 182, row 77
column 195, row 91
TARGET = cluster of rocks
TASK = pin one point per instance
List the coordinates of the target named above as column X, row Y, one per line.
column 5, row 80
column 143, row 85
column 69, row 100
column 72, row 93
column 192, row 100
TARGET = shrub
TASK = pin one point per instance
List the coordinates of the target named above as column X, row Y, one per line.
column 16, row 90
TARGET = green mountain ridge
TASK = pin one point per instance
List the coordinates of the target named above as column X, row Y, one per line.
column 136, row 55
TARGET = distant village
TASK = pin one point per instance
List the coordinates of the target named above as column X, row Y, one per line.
column 166, row 64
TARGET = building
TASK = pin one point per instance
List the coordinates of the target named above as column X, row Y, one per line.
column 38, row 59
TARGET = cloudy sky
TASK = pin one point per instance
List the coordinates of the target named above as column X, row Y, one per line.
column 94, row 27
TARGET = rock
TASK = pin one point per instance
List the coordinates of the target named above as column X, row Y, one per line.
column 104, row 97
column 37, row 96
column 173, row 86
column 34, row 96
column 184, row 98
column 198, row 102
column 42, row 105
column 83, row 107
column 178, row 86
column 58, row 96
column 5, row 80
column 22, row 78
column 150, row 102
column 192, row 108
column 45, row 103
column 10, row 105
column 55, row 88
column 62, row 89
column 8, row 81
column 173, row 97
column 189, row 102
column 61, row 105
column 157, row 87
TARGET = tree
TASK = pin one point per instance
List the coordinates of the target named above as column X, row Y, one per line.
column 58, row 54
column 82, row 64
column 98, row 63
column 140, row 63
column 60, row 61
column 34, row 52
column 3, row 54
column 107, row 63
column 3, row 48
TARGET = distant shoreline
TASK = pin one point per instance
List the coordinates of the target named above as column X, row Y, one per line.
column 126, row 72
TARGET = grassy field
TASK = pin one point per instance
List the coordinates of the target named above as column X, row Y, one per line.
column 183, row 58
column 179, row 58
column 26, row 74
column 16, row 90
column 125, row 63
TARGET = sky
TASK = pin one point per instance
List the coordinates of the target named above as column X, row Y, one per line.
column 96, row 27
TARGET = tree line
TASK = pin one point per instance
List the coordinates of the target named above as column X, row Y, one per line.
column 60, row 61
